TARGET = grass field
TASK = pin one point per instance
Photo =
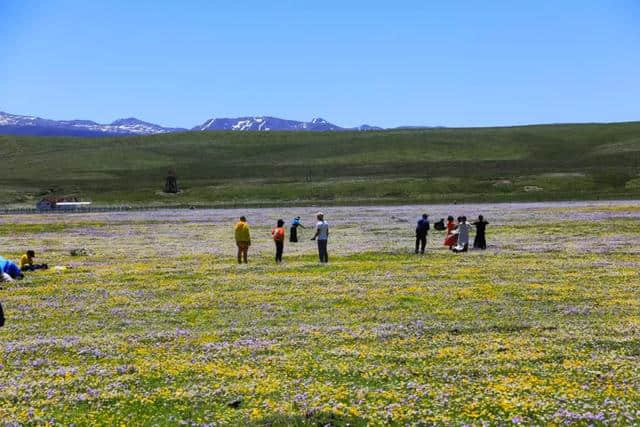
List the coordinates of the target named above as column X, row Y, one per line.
column 546, row 162
column 158, row 325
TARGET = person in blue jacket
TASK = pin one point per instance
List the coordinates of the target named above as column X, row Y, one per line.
column 10, row 268
column 293, row 232
column 422, row 229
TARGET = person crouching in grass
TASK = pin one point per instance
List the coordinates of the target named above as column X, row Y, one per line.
column 243, row 239
column 278, row 238
column 9, row 271
column 26, row 262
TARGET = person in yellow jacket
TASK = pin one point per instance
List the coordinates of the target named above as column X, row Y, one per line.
column 26, row 262
column 243, row 239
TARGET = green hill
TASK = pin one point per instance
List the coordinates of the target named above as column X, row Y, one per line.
column 542, row 162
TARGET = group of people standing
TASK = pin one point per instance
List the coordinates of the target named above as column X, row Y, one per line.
column 321, row 236
column 457, row 237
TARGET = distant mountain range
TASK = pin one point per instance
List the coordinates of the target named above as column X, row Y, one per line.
column 12, row 124
column 28, row 125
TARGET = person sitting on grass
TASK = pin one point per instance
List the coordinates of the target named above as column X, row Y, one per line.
column 26, row 262
column 10, row 271
column 278, row 238
column 243, row 239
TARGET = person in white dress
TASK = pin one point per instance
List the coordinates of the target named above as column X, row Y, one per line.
column 463, row 235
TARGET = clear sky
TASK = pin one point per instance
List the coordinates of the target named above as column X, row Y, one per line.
column 386, row 63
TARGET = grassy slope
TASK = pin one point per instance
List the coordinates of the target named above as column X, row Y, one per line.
column 596, row 160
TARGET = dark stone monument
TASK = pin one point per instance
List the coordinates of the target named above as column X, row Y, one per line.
column 171, row 182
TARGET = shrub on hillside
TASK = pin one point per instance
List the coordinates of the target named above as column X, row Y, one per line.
column 612, row 177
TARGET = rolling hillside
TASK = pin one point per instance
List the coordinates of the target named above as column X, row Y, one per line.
column 584, row 161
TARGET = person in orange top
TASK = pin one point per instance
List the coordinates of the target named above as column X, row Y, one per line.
column 278, row 238
column 451, row 239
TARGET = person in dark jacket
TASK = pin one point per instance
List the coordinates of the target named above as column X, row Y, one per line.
column 1, row 316
column 480, row 241
column 422, row 229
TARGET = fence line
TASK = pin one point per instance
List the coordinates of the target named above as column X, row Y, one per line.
column 438, row 199
column 17, row 211
column 127, row 208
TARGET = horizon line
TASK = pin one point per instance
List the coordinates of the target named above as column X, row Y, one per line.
column 407, row 126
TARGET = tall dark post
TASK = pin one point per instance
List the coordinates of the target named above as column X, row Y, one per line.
column 171, row 182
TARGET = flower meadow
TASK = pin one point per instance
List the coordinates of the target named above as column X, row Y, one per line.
column 158, row 325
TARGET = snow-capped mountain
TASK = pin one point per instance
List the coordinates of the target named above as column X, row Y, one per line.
column 29, row 125
column 12, row 124
column 266, row 123
column 139, row 127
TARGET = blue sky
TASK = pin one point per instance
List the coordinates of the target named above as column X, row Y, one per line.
column 462, row 63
